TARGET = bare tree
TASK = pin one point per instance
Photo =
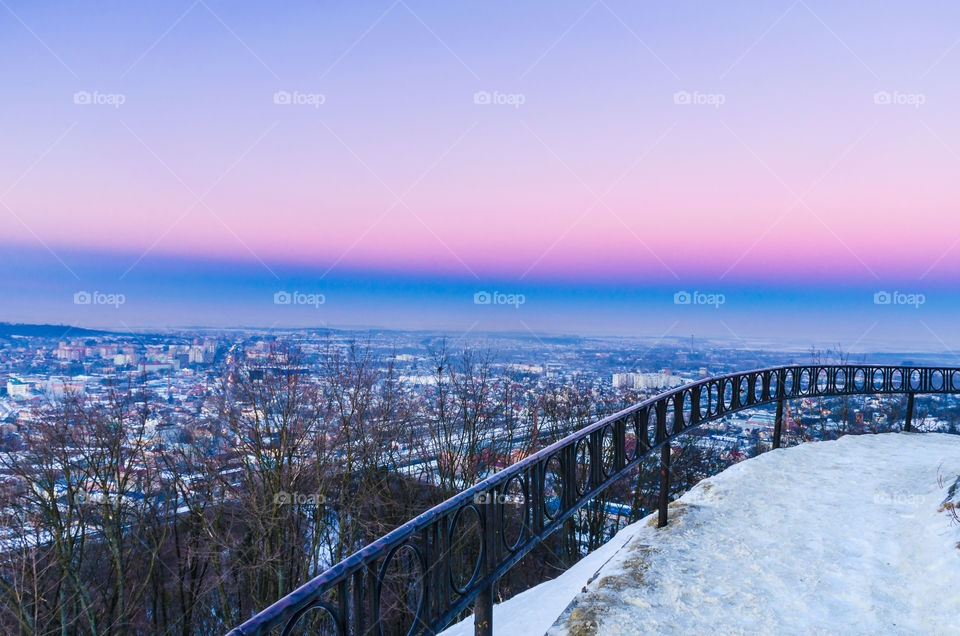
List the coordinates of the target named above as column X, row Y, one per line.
column 85, row 477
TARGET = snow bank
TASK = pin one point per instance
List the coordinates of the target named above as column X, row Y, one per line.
column 855, row 535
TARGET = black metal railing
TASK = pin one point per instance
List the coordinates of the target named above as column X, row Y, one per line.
column 556, row 482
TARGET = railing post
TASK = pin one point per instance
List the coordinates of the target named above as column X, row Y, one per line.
column 359, row 622
column 778, row 424
column 908, row 426
column 483, row 613
column 664, row 483
column 483, row 604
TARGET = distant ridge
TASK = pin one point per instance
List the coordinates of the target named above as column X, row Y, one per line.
column 8, row 330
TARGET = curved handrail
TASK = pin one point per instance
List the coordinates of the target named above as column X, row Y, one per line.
column 358, row 578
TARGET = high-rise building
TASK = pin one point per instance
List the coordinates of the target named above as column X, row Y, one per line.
column 196, row 354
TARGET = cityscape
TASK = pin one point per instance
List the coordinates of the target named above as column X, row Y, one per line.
column 181, row 374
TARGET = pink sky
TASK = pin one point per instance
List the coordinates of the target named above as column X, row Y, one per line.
column 598, row 174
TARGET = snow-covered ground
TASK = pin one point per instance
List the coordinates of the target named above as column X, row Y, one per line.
column 846, row 536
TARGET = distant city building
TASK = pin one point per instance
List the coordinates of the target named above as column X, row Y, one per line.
column 623, row 380
column 525, row 368
column 103, row 350
column 147, row 367
column 70, row 353
column 123, row 359
column 65, row 386
column 762, row 419
column 17, row 388
column 554, row 369
column 418, row 380
column 196, row 355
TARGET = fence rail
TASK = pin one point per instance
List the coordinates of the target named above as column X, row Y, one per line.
column 555, row 483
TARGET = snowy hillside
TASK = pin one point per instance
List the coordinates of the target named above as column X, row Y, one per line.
column 851, row 535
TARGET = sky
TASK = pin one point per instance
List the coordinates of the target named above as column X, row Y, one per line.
column 761, row 170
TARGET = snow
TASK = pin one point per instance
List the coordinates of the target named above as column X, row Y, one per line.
column 533, row 611
column 849, row 535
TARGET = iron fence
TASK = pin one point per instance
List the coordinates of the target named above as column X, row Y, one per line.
column 546, row 488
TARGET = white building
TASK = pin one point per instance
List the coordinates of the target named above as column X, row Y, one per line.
column 17, row 388
column 196, row 354
column 65, row 386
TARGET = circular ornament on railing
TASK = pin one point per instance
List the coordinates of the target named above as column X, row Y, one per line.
column 400, row 589
column 740, row 382
column 916, row 380
column 651, row 418
column 822, row 377
column 712, row 395
column 860, row 379
column 702, row 393
column 317, row 618
column 465, row 538
column 607, row 450
column 896, row 380
column 641, row 442
column 553, row 487
column 515, row 512
column 790, row 382
column 581, row 455
column 936, row 380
